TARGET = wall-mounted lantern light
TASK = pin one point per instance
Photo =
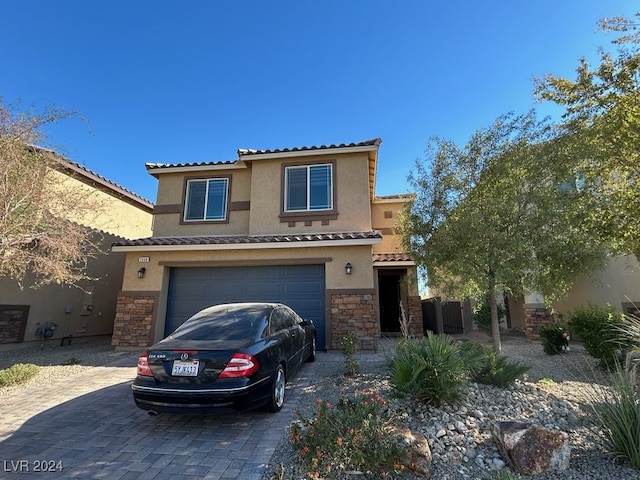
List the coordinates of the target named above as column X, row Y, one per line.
column 141, row 272
column 348, row 268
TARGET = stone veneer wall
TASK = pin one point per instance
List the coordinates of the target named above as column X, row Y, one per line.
column 133, row 320
column 356, row 313
column 416, row 327
column 534, row 316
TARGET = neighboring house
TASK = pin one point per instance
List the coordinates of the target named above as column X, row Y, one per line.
column 89, row 310
column 617, row 285
column 300, row 226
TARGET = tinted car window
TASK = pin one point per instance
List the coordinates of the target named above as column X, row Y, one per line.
column 276, row 321
column 295, row 318
column 288, row 317
column 221, row 324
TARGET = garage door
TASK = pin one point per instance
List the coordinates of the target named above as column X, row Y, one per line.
column 299, row 286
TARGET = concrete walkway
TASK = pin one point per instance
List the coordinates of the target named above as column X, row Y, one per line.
column 88, row 427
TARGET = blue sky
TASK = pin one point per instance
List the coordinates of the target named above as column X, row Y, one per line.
column 175, row 81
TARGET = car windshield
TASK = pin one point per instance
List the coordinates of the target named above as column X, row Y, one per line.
column 222, row 323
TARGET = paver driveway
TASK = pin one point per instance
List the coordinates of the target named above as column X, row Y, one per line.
column 87, row 426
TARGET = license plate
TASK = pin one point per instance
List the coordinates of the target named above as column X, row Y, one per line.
column 185, row 369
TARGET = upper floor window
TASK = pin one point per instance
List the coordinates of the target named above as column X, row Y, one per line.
column 206, row 200
column 308, row 187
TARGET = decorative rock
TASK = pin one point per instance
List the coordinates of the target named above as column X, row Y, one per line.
column 531, row 449
column 422, row 464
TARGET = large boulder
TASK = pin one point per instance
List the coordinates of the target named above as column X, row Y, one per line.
column 531, row 449
column 420, row 464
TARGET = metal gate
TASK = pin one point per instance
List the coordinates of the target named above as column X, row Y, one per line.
column 435, row 312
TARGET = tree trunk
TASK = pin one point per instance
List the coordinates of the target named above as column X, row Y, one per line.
column 495, row 321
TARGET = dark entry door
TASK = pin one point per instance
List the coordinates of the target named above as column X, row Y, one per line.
column 389, row 292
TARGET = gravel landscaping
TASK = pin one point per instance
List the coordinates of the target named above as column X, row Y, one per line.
column 459, row 436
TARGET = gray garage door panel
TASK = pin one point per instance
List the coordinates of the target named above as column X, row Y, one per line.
column 299, row 286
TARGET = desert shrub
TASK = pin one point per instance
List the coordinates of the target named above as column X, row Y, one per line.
column 482, row 316
column 597, row 328
column 350, row 436
column 18, row 373
column 430, row 369
column 618, row 415
column 551, row 337
column 349, row 346
column 487, row 367
column 473, row 355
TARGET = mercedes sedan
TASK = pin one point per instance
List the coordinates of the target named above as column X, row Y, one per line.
column 231, row 355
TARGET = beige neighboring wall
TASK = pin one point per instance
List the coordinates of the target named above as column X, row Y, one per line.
column 123, row 215
column 113, row 214
column 617, row 283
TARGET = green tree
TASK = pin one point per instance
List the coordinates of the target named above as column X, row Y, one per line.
column 44, row 236
column 494, row 216
column 600, row 134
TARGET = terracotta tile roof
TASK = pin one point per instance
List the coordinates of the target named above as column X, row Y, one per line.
column 249, row 151
column 91, row 176
column 157, row 166
column 401, row 196
column 367, row 143
column 247, row 239
column 392, row 257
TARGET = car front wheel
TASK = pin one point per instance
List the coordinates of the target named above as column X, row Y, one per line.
column 277, row 390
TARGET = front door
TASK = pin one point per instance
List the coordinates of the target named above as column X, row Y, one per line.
column 389, row 294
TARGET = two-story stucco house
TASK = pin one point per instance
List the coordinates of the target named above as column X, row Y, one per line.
column 27, row 315
column 300, row 226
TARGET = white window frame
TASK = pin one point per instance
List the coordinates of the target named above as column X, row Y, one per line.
column 225, row 205
column 308, row 193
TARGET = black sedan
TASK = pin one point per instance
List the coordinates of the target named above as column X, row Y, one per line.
column 231, row 355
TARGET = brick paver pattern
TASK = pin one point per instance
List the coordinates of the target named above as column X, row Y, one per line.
column 88, row 427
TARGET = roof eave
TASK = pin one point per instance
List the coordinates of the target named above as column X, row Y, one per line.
column 391, row 263
column 250, row 155
column 247, row 246
column 155, row 170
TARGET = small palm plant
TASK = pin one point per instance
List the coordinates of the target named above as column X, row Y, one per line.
column 429, row 369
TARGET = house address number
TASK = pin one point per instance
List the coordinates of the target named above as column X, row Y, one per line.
column 143, row 259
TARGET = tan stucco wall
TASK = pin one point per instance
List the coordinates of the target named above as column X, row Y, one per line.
column 157, row 272
column 351, row 196
column 335, row 277
column 618, row 283
column 47, row 304
column 261, row 185
column 114, row 219
column 171, row 192
column 391, row 242
column 109, row 214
